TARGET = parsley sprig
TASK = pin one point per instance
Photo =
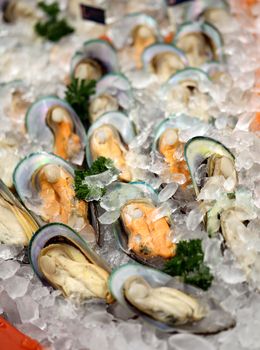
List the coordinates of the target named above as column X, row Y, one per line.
column 52, row 28
column 78, row 94
column 83, row 190
column 188, row 263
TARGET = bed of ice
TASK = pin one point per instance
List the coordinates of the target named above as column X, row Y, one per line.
column 40, row 68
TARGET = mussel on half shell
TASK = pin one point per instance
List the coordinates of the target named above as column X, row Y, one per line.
column 166, row 303
column 44, row 183
column 61, row 258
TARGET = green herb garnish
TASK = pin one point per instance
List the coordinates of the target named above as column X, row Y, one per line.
column 52, row 28
column 83, row 190
column 188, row 263
column 78, row 94
column 51, row 10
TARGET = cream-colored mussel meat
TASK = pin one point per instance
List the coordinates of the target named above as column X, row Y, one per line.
column 164, row 304
column 67, row 269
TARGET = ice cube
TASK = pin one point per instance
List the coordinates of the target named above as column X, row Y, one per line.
column 167, row 192
column 8, row 268
column 109, row 217
column 16, row 286
column 28, row 308
column 194, row 218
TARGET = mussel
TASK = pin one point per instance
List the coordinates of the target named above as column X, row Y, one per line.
column 17, row 226
column 53, row 123
column 163, row 60
column 61, row 258
column 44, row 183
column 213, row 12
column 142, row 232
column 95, row 59
column 14, row 10
column 165, row 303
column 231, row 216
column 113, row 93
column 109, row 137
column 167, row 144
column 140, row 31
column 206, row 158
column 201, row 43
column 182, row 93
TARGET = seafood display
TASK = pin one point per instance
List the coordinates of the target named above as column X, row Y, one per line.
column 129, row 162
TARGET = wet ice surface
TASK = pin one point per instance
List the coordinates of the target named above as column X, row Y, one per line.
column 43, row 313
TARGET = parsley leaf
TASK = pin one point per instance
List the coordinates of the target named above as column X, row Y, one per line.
column 78, row 94
column 85, row 191
column 188, row 263
column 52, row 10
column 52, row 28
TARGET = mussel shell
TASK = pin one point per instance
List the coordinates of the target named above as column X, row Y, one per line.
column 189, row 73
column 151, row 51
column 27, row 167
column 99, row 50
column 38, row 129
column 129, row 22
column 195, row 9
column 124, row 193
column 176, row 121
column 206, row 29
column 60, row 233
column 119, row 121
column 155, row 278
column 198, row 149
column 116, row 84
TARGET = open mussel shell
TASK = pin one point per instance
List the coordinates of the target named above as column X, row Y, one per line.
column 178, row 122
column 126, row 194
column 117, row 85
column 119, row 121
column 129, row 23
column 22, row 224
column 198, row 150
column 197, row 8
column 216, row 319
column 101, row 52
column 195, row 74
column 209, row 31
column 25, row 171
column 159, row 48
column 26, row 185
column 38, row 128
column 60, row 233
